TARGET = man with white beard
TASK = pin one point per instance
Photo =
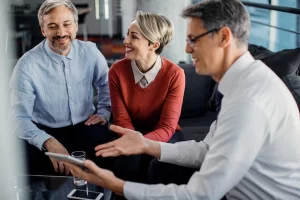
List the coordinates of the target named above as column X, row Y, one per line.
column 52, row 92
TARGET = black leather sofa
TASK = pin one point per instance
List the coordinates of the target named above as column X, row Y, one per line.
column 198, row 110
column 197, row 114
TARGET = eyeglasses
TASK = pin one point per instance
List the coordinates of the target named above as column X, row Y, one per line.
column 193, row 41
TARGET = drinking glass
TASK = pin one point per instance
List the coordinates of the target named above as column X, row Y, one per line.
column 79, row 155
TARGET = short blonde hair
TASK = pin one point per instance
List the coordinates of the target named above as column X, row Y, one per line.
column 155, row 28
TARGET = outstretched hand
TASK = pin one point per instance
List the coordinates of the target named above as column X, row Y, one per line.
column 130, row 143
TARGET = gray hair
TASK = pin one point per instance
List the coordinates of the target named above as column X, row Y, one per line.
column 216, row 14
column 48, row 5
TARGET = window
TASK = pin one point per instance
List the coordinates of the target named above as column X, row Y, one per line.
column 273, row 29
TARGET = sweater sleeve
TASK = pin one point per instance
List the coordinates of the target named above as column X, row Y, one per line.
column 171, row 109
column 120, row 114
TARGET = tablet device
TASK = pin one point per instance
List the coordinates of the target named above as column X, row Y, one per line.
column 67, row 158
column 83, row 194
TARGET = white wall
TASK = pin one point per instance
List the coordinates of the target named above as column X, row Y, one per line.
column 128, row 12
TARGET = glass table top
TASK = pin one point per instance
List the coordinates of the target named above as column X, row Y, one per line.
column 41, row 187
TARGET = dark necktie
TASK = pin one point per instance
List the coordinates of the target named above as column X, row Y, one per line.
column 218, row 101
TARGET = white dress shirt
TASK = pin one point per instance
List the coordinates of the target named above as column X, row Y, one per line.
column 254, row 148
column 145, row 79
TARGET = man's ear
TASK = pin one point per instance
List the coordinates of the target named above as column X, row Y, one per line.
column 76, row 27
column 43, row 32
column 225, row 36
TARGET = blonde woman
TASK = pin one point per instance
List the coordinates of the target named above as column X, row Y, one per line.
column 146, row 89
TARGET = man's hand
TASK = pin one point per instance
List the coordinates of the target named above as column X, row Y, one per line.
column 52, row 145
column 95, row 119
column 131, row 142
column 98, row 176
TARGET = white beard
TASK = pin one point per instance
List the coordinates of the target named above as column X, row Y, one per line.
column 61, row 48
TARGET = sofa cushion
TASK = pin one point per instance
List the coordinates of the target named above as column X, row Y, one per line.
column 198, row 127
column 196, row 93
column 258, row 52
column 205, row 120
column 286, row 64
column 293, row 84
column 196, row 133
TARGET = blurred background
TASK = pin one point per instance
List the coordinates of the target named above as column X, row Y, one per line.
column 275, row 24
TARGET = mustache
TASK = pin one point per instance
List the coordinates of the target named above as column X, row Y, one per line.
column 61, row 37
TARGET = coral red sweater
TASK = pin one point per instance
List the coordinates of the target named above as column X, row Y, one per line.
column 154, row 110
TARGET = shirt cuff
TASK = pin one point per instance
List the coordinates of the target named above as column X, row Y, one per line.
column 134, row 191
column 168, row 152
column 104, row 114
column 39, row 140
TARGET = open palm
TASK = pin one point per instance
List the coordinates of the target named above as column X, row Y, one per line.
column 130, row 143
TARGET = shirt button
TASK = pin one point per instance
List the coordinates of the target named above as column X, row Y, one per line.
column 67, row 70
column 70, row 87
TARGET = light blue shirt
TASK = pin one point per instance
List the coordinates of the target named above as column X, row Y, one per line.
column 57, row 91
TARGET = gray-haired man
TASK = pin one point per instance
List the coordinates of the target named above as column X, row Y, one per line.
column 52, row 91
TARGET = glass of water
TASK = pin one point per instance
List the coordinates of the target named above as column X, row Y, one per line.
column 79, row 155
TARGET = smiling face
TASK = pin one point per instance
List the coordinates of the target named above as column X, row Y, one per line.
column 60, row 29
column 206, row 53
column 137, row 46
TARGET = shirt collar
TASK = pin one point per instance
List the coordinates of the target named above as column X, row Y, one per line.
column 150, row 75
column 232, row 75
column 56, row 57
